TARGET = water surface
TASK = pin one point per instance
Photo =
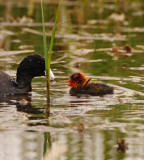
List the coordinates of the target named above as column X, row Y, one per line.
column 87, row 127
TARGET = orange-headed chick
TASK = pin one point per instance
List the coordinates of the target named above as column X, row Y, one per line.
column 80, row 84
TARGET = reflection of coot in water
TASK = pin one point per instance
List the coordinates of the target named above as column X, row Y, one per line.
column 30, row 67
column 34, row 113
column 80, row 84
column 22, row 103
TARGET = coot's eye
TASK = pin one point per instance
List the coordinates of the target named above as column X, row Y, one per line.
column 42, row 63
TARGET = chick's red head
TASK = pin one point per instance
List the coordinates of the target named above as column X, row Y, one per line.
column 77, row 80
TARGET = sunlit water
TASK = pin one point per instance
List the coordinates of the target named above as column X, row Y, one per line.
column 79, row 127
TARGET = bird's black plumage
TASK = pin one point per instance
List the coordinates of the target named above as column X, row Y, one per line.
column 94, row 89
column 30, row 67
column 80, row 84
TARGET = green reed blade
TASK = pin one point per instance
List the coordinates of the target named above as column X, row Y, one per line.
column 53, row 35
column 44, row 37
column 48, row 53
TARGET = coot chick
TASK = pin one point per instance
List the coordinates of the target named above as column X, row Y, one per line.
column 30, row 67
column 80, row 84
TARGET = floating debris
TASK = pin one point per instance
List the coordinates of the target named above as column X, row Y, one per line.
column 83, row 52
column 127, row 48
column 76, row 65
column 80, row 127
column 117, row 17
column 23, row 20
column 120, row 100
column 125, row 51
column 122, row 145
column 23, row 102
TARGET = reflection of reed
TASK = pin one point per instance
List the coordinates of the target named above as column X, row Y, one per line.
column 47, row 142
column 88, row 145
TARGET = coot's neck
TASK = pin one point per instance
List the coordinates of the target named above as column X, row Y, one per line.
column 24, row 81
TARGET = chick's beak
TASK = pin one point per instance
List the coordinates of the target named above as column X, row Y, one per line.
column 69, row 80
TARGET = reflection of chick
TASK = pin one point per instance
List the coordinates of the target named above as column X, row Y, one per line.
column 80, row 84
column 122, row 145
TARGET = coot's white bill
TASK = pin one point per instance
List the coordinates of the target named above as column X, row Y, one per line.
column 52, row 77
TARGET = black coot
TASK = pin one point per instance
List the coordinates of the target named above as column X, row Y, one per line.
column 30, row 67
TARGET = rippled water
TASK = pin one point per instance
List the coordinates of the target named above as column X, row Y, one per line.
column 89, row 39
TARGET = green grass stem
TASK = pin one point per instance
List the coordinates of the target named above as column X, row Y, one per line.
column 53, row 33
column 48, row 53
column 44, row 37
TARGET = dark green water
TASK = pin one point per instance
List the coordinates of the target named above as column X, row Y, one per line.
column 87, row 33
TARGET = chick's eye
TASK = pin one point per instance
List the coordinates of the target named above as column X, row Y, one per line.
column 75, row 76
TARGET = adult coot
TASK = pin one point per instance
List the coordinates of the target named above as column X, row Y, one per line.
column 30, row 67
